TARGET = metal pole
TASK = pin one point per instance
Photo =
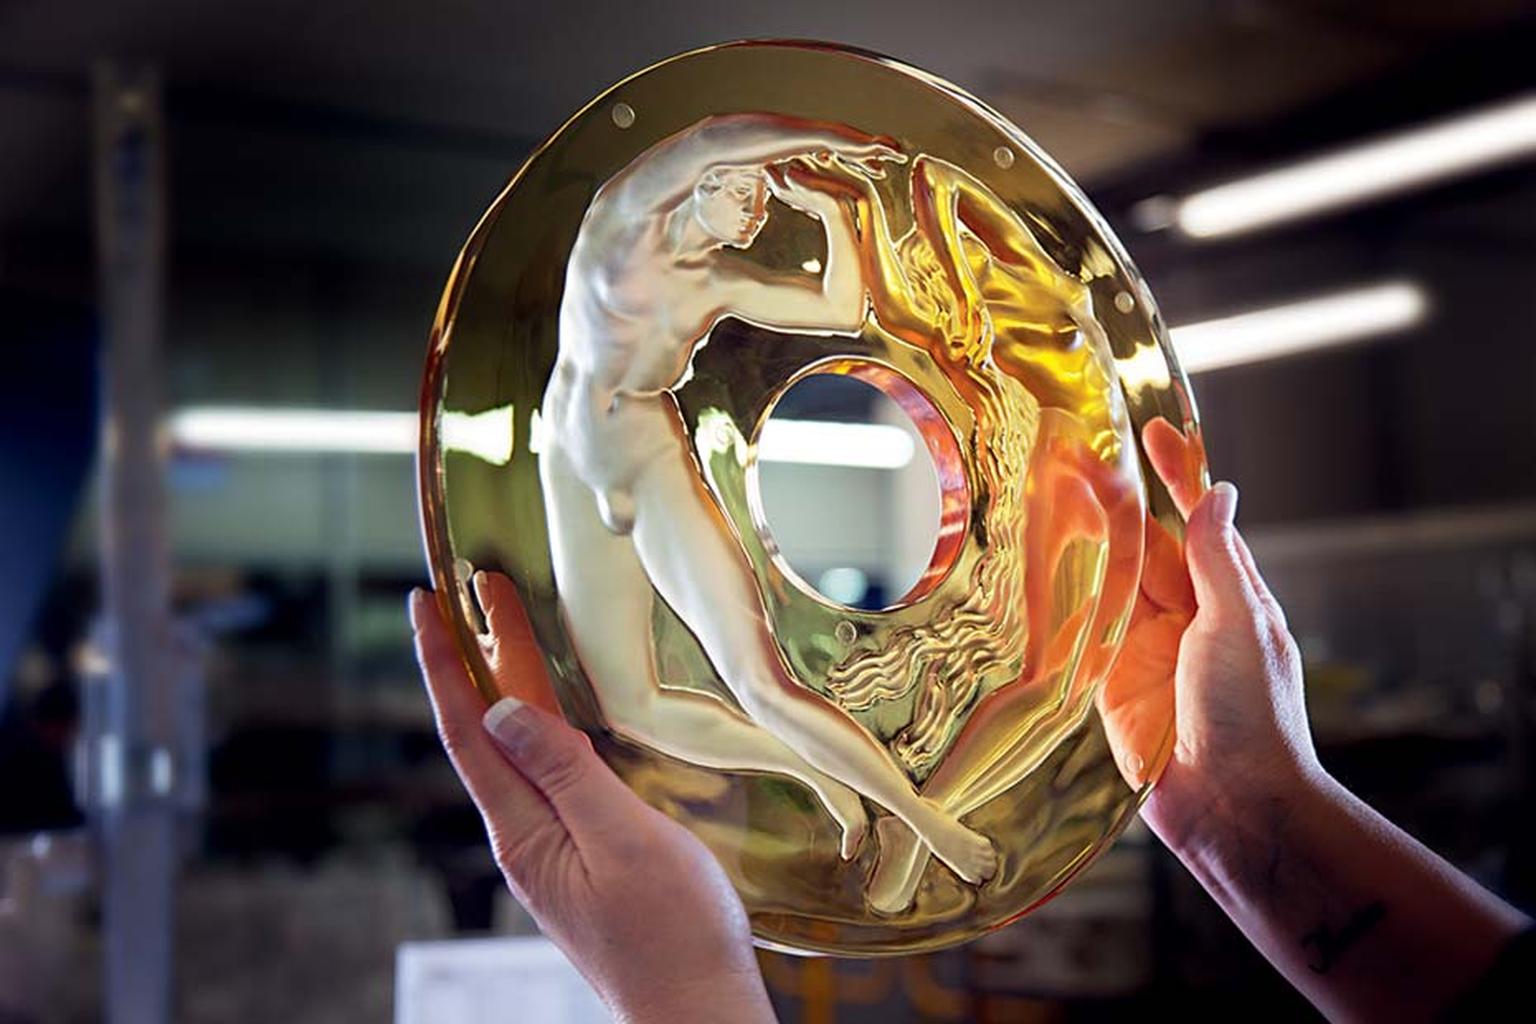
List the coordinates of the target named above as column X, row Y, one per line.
column 135, row 741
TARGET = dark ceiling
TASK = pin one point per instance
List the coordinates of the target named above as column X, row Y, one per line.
column 327, row 160
column 380, row 129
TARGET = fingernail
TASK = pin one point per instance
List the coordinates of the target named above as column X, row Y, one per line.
column 1224, row 499
column 505, row 722
column 413, row 604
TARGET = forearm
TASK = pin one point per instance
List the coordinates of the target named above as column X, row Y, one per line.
column 762, row 139
column 881, row 269
column 1361, row 918
column 842, row 282
column 670, row 170
column 736, row 140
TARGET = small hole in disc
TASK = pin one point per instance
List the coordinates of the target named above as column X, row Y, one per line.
column 623, row 115
column 1003, row 156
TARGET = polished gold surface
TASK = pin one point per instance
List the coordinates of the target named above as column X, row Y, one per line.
column 655, row 277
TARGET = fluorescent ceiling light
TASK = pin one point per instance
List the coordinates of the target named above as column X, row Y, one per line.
column 1346, row 177
column 1245, row 338
column 309, row 431
column 821, row 443
column 1321, row 322
column 489, row 435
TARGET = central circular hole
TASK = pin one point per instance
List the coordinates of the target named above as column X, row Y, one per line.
column 849, row 491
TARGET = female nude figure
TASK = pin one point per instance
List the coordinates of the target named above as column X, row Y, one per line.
column 970, row 284
column 627, row 507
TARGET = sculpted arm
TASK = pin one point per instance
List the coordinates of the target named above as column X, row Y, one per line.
column 835, row 301
column 955, row 197
column 890, row 290
column 667, row 173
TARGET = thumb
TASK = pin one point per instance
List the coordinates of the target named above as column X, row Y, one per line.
column 559, row 762
column 1216, row 569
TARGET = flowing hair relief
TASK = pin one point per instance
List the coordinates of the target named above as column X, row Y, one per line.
column 968, row 647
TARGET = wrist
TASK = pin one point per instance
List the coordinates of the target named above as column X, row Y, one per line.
column 1205, row 817
column 734, row 996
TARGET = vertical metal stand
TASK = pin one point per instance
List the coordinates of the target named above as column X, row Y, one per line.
column 339, row 504
column 135, row 725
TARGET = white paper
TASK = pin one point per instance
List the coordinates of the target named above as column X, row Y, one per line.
column 495, row 981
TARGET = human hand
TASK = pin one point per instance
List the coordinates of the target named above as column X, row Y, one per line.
column 795, row 184
column 1241, row 732
column 636, row 902
column 820, row 183
column 1363, row 920
column 1136, row 703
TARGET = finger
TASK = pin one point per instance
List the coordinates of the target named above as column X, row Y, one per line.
column 1179, row 461
column 458, row 708
column 510, row 646
column 856, row 169
column 1222, row 588
column 561, row 765
column 1258, row 583
column 1164, row 576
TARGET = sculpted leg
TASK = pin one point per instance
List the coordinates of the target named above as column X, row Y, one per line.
column 1073, row 496
column 608, row 603
column 691, row 554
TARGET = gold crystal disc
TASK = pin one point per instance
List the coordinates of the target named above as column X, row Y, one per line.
column 612, row 340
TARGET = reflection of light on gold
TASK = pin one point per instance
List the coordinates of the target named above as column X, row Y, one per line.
column 816, row 443
column 717, row 435
column 486, row 435
column 1299, row 326
column 1145, row 369
column 1345, row 177
column 535, row 433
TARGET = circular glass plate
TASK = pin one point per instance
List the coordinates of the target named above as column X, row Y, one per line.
column 610, row 344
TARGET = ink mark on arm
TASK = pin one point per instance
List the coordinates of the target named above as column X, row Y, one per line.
column 1328, row 945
